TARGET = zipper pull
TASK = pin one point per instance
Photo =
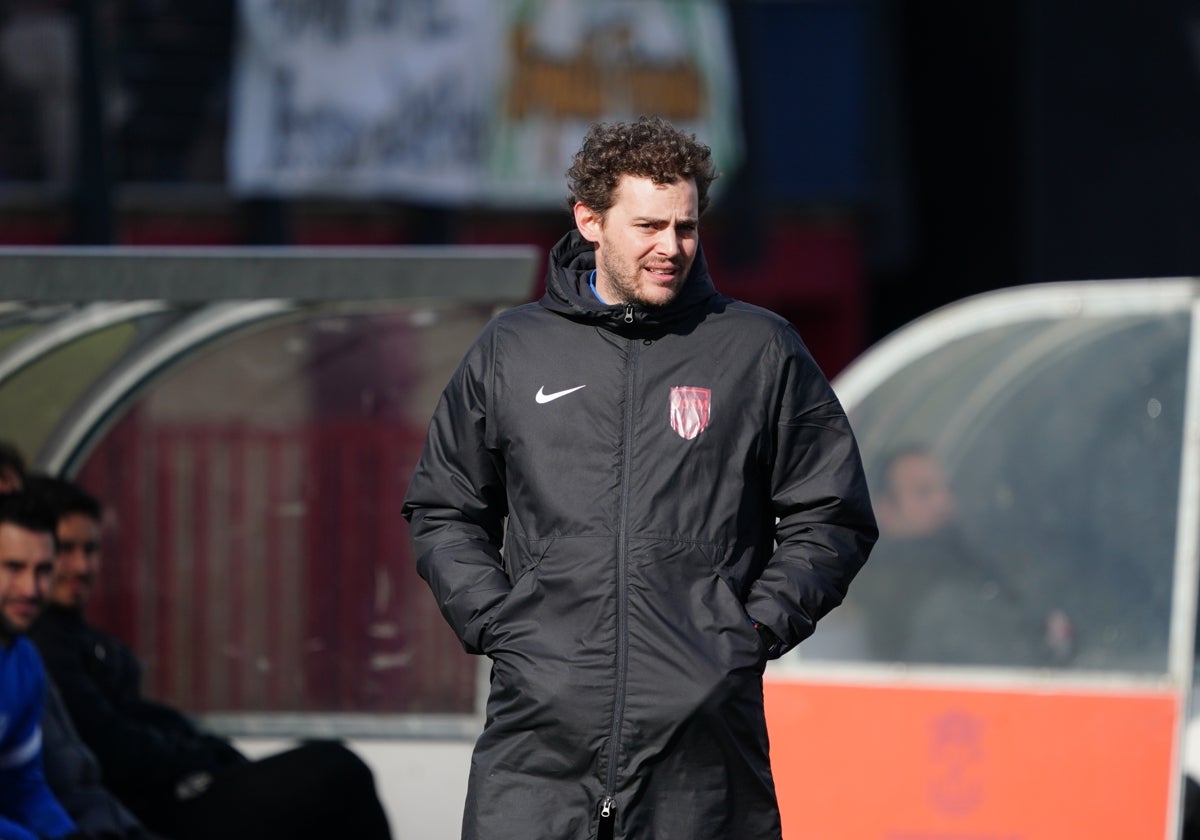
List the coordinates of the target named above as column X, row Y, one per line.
column 629, row 313
column 606, row 807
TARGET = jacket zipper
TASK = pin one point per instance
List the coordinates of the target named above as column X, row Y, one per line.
column 607, row 803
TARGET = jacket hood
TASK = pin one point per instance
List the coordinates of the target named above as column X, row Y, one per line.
column 568, row 293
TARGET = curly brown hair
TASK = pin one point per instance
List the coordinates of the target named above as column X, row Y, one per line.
column 649, row 147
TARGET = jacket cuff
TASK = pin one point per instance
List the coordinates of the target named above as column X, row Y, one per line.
column 772, row 643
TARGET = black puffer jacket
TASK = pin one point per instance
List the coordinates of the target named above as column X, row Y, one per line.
column 642, row 459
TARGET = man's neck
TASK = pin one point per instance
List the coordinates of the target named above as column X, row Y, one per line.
column 72, row 610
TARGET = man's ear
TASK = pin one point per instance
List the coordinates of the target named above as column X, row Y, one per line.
column 588, row 221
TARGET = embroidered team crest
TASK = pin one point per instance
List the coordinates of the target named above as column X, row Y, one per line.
column 690, row 409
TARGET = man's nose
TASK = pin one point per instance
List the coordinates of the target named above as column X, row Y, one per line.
column 72, row 558
column 29, row 584
column 669, row 243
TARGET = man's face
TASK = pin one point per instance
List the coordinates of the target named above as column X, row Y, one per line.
column 920, row 503
column 77, row 560
column 10, row 480
column 26, row 560
column 646, row 242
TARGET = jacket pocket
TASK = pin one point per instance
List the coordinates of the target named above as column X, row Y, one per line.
column 746, row 627
column 509, row 608
column 682, row 591
column 521, row 568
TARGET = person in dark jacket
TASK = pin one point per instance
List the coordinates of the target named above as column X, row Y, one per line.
column 678, row 496
column 178, row 779
column 75, row 777
column 932, row 595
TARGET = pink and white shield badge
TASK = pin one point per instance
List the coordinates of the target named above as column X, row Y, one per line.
column 690, row 409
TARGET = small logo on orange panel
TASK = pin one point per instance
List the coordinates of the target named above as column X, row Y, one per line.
column 956, row 752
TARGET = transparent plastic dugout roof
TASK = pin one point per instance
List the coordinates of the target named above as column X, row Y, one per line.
column 1031, row 466
column 249, row 419
column 75, row 323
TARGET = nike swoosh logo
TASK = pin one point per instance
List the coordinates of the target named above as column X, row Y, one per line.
column 543, row 397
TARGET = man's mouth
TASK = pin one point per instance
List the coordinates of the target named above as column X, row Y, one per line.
column 24, row 610
column 77, row 580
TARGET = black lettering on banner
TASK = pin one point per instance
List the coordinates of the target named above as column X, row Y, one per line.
column 430, row 126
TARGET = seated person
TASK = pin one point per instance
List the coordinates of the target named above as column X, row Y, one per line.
column 179, row 780
column 69, row 767
column 75, row 778
column 929, row 596
column 28, row 809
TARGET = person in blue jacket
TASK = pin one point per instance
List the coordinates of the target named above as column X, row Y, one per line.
column 28, row 809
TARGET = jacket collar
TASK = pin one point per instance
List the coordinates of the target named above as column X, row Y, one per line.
column 567, row 293
column 53, row 613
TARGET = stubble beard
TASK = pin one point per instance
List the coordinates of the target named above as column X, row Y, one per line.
column 9, row 630
column 623, row 282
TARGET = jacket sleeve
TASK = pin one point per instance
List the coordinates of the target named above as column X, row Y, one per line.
column 25, row 798
column 456, row 502
column 75, row 776
column 135, row 750
column 825, row 525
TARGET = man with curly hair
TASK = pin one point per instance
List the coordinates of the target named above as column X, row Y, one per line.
column 679, row 498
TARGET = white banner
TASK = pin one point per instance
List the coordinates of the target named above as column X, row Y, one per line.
column 464, row 101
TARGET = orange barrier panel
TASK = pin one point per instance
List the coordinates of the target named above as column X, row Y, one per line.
column 886, row 762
